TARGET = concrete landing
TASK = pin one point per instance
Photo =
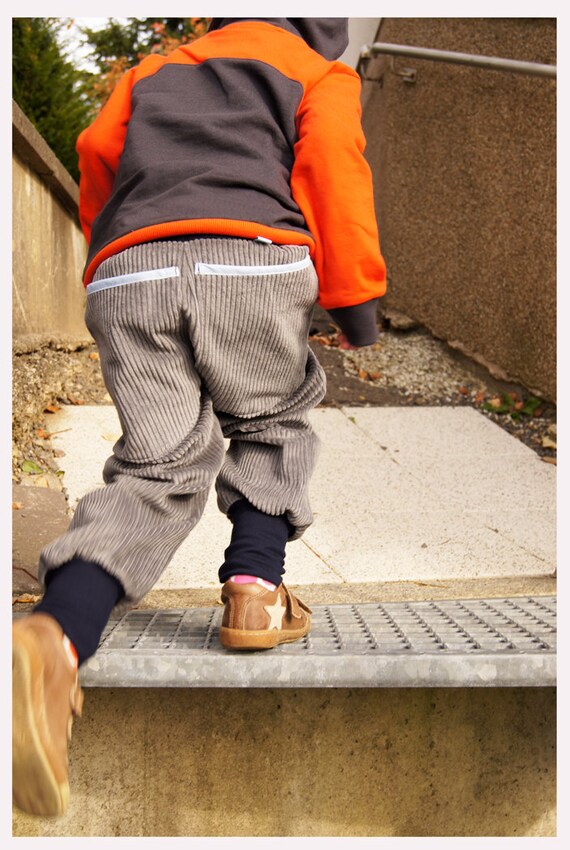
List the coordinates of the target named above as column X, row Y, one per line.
column 399, row 494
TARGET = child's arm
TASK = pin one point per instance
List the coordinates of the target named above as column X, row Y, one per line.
column 332, row 184
column 99, row 148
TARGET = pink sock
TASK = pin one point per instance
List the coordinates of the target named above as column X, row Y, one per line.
column 243, row 579
column 70, row 651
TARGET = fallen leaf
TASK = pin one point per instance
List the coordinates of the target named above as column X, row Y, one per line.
column 548, row 443
column 94, row 355
column 376, row 346
column 362, row 373
column 74, row 400
column 463, row 390
column 26, row 597
column 16, row 506
column 551, row 460
column 31, row 467
column 495, row 402
column 43, row 435
column 325, row 339
column 52, row 408
column 479, row 397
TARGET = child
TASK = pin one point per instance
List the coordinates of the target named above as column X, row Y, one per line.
column 223, row 191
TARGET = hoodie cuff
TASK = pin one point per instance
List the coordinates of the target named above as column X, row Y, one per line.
column 358, row 322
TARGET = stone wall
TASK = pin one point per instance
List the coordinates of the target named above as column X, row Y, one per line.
column 49, row 248
column 464, row 169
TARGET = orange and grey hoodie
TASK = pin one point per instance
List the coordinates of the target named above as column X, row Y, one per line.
column 252, row 131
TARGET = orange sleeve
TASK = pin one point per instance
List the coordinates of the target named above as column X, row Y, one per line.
column 100, row 147
column 332, row 184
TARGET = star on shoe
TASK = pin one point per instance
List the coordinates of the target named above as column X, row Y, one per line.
column 275, row 612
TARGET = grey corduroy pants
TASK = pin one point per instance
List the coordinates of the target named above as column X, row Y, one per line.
column 199, row 339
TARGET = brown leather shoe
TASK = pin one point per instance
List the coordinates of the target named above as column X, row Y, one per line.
column 45, row 696
column 257, row 618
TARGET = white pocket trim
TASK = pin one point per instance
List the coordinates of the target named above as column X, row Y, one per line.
column 248, row 271
column 134, row 277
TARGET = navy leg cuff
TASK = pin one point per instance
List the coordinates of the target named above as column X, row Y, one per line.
column 80, row 595
column 257, row 544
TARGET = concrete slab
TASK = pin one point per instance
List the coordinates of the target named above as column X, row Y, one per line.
column 479, row 471
column 533, row 530
column 421, row 545
column 399, row 494
column 38, row 515
column 439, row 431
column 86, row 434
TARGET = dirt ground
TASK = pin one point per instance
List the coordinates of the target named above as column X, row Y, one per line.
column 404, row 368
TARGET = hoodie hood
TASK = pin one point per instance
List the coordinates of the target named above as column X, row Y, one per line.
column 328, row 36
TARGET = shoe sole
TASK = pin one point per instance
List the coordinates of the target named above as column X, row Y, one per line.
column 262, row 639
column 35, row 789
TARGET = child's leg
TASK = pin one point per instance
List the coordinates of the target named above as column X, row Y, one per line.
column 255, row 303
column 263, row 483
column 158, row 478
column 271, row 467
column 271, row 458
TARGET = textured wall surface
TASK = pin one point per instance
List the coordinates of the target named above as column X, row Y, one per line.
column 49, row 248
column 465, row 183
column 322, row 762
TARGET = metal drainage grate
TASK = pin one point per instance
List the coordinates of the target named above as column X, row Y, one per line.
column 478, row 642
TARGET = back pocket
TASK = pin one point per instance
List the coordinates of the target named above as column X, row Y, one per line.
column 250, row 271
column 133, row 277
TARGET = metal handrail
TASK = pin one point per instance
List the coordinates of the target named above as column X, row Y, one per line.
column 490, row 62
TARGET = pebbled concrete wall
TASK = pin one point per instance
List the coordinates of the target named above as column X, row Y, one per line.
column 464, row 165
column 315, row 762
column 49, row 248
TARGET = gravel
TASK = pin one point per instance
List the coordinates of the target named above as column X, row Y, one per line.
column 414, row 364
column 411, row 367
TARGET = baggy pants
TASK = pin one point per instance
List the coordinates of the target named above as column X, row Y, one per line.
column 199, row 339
